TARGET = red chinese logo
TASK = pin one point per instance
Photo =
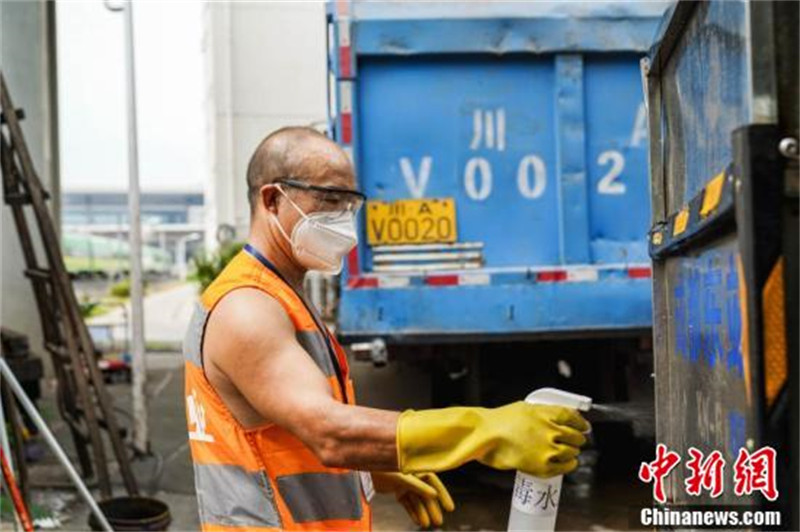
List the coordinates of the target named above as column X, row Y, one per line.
column 752, row 472
column 657, row 470
column 756, row 472
column 705, row 473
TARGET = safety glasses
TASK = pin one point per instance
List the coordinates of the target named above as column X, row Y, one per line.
column 327, row 198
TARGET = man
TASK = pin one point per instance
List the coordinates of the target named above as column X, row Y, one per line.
column 276, row 437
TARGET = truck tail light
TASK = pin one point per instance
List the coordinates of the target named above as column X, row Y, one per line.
column 551, row 276
column 640, row 273
column 441, row 280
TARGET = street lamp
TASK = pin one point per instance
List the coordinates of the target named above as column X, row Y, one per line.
column 139, row 364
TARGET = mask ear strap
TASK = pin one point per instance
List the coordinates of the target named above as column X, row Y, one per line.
column 280, row 227
column 275, row 216
column 285, row 195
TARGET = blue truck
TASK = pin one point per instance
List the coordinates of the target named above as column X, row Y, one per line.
column 503, row 149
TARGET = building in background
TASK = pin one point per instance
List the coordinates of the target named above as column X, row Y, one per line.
column 265, row 68
column 96, row 229
column 28, row 63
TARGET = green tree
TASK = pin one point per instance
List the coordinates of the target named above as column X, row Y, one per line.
column 208, row 266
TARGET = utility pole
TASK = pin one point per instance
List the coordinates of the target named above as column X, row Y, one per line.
column 139, row 369
column 140, row 436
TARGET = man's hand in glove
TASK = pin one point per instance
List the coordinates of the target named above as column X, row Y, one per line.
column 422, row 495
column 541, row 440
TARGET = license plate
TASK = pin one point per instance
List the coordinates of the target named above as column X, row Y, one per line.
column 411, row 221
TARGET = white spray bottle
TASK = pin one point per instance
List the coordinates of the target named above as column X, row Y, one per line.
column 534, row 503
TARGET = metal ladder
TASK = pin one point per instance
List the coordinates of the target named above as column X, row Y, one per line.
column 82, row 398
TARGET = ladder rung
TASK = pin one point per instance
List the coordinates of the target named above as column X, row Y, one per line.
column 16, row 198
column 38, row 273
column 22, row 198
column 60, row 350
column 19, row 112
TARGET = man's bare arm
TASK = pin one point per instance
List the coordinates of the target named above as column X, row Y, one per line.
column 251, row 342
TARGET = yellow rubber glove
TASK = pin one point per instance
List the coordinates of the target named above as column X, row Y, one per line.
column 541, row 440
column 422, row 495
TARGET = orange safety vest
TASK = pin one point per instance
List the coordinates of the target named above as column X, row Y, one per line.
column 264, row 478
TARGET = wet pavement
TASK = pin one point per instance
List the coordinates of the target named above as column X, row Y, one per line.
column 482, row 496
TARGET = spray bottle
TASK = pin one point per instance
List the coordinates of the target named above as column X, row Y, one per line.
column 534, row 503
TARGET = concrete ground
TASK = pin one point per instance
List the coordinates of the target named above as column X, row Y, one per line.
column 482, row 496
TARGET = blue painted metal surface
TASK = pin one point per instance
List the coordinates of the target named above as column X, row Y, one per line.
column 705, row 327
column 713, row 68
column 543, row 150
column 500, row 36
column 408, row 28
column 571, row 168
column 706, row 321
column 616, row 121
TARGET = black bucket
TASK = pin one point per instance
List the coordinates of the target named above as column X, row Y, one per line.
column 133, row 513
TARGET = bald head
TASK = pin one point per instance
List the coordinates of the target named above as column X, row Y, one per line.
column 300, row 153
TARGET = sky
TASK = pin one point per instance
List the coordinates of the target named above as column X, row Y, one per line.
column 170, row 95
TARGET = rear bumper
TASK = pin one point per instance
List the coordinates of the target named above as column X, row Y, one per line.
column 496, row 311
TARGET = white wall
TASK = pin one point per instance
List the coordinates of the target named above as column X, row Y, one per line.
column 25, row 62
column 266, row 68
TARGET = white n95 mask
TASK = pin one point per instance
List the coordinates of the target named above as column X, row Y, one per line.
column 321, row 240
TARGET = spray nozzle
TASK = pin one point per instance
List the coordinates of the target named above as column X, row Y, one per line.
column 553, row 396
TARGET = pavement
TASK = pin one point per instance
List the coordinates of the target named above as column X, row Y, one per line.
column 167, row 311
column 482, row 496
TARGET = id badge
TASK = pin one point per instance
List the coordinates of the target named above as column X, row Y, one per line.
column 366, row 485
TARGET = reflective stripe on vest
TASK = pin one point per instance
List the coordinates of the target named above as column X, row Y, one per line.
column 318, row 496
column 314, row 343
column 264, row 478
column 227, row 495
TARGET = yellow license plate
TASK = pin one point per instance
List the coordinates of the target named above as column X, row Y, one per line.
column 411, row 221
